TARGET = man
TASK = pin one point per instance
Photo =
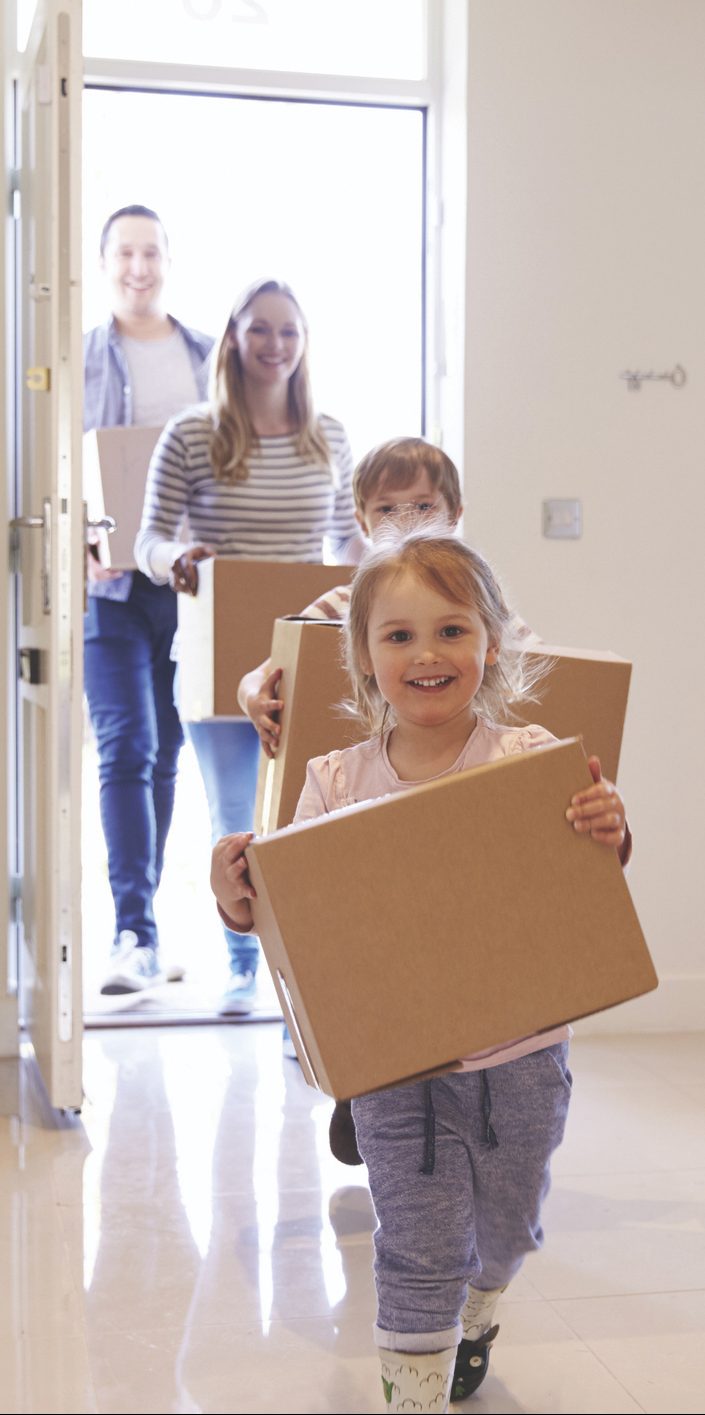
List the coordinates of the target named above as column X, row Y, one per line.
column 140, row 367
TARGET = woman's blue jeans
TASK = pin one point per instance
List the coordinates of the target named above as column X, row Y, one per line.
column 228, row 755
column 129, row 682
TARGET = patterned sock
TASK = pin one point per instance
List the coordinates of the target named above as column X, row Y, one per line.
column 478, row 1311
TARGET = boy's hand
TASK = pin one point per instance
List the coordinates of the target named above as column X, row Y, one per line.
column 262, row 708
column 230, row 881
column 599, row 811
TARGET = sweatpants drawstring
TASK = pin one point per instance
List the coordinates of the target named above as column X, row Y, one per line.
column 490, row 1137
column 429, row 1152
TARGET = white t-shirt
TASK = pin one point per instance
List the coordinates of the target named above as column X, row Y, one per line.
column 161, row 376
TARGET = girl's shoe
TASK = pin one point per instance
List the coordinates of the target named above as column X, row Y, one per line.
column 341, row 1135
column 471, row 1365
column 417, row 1380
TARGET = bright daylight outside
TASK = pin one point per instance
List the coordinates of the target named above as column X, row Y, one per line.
column 328, row 197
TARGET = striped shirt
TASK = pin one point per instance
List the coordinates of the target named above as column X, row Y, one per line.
column 282, row 511
column 334, row 604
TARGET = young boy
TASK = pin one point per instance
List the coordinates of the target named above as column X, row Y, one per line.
column 406, row 472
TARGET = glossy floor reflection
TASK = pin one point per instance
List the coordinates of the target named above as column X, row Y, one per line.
column 188, row 1244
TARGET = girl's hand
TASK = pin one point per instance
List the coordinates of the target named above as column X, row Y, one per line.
column 262, row 708
column 184, row 575
column 230, row 881
column 599, row 811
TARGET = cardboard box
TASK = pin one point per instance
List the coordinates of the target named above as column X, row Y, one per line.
column 115, row 465
column 584, row 694
column 405, row 933
column 314, row 683
column 226, row 629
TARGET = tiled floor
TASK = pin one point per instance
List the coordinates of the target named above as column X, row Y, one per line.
column 189, row 1245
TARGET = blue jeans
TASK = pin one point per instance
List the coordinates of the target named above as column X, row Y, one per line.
column 228, row 755
column 129, row 681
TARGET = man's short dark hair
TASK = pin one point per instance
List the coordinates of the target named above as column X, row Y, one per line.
column 129, row 211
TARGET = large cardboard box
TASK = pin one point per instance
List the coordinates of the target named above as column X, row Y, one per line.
column 405, row 933
column 115, row 465
column 226, row 629
column 313, row 686
column 585, row 693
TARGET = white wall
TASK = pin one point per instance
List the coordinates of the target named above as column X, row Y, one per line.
column 586, row 257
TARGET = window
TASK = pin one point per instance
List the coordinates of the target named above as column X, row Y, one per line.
column 362, row 37
column 328, row 197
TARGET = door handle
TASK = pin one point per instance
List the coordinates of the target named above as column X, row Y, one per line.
column 106, row 523
column 42, row 523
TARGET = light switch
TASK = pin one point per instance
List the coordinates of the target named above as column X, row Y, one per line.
column 562, row 519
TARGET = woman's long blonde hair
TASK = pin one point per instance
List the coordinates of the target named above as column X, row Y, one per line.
column 233, row 434
column 447, row 565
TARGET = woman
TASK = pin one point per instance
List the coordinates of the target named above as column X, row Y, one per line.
column 259, row 474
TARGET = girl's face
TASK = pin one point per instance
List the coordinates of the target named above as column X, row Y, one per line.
column 428, row 654
column 270, row 339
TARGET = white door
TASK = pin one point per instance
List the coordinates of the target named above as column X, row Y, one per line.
column 48, row 534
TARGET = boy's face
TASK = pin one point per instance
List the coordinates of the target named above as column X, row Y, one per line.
column 387, row 499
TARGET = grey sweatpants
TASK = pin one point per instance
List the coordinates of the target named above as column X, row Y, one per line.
column 487, row 1138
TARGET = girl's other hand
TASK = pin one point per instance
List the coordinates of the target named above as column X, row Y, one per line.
column 230, row 881
column 263, row 708
column 599, row 811
column 184, row 575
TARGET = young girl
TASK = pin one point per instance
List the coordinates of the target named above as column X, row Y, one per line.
column 458, row 1166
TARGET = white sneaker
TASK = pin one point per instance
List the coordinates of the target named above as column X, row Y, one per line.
column 238, row 996
column 133, row 967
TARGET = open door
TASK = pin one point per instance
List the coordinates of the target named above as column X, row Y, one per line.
column 48, row 541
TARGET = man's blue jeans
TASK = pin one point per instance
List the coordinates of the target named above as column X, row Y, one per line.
column 228, row 755
column 129, row 681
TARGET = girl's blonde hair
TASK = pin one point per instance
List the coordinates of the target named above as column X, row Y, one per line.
column 233, row 435
column 445, row 564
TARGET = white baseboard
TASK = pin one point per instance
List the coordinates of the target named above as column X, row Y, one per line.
column 677, row 1005
column 9, row 1033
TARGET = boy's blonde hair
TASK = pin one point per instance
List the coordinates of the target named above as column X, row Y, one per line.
column 449, row 566
column 398, row 463
column 233, row 434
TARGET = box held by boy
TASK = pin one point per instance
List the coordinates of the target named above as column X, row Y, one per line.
column 226, row 627
column 585, row 693
column 405, row 933
column 313, row 685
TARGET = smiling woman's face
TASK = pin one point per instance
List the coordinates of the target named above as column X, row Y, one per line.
column 270, row 339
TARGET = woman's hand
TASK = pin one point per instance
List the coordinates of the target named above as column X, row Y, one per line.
column 263, row 707
column 184, row 575
column 599, row 811
column 230, row 881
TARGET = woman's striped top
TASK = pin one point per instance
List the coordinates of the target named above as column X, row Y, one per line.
column 281, row 512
